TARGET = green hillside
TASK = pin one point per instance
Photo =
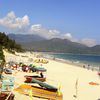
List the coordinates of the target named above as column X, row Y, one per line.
column 53, row 45
column 9, row 44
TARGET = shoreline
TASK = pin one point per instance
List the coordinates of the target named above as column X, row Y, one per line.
column 78, row 64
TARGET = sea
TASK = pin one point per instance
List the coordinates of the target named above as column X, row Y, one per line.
column 87, row 61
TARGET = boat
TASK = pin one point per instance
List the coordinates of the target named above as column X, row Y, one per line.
column 29, row 78
column 39, row 92
column 44, row 85
column 7, row 96
column 8, row 71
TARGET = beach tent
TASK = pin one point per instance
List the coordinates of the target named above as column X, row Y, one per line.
column 32, row 65
column 43, row 61
column 11, row 63
column 38, row 69
column 7, row 83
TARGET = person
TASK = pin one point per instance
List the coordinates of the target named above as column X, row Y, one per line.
column 83, row 66
column 41, row 74
column 1, row 71
column 27, row 69
column 88, row 67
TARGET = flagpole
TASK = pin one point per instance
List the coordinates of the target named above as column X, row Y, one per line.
column 76, row 89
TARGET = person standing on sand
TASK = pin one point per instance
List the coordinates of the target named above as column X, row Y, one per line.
column 83, row 66
column 1, row 69
column 99, row 73
column 41, row 74
column 88, row 67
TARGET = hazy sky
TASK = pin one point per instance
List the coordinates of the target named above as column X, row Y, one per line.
column 77, row 20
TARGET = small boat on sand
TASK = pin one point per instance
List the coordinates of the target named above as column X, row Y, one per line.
column 44, row 85
column 42, row 90
column 39, row 92
column 6, row 96
column 29, row 78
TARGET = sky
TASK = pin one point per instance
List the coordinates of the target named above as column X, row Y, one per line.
column 76, row 20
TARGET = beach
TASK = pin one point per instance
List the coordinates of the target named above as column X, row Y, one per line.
column 72, row 80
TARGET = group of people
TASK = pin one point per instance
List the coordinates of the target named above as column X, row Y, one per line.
column 88, row 67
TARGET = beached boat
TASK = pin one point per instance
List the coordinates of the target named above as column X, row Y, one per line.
column 8, row 71
column 29, row 78
column 44, row 85
column 40, row 92
column 7, row 96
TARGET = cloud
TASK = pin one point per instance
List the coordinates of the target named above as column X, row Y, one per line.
column 48, row 33
column 35, row 28
column 67, row 36
column 22, row 25
column 11, row 15
column 39, row 30
column 88, row 42
column 12, row 22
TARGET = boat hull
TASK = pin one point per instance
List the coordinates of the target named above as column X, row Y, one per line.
column 29, row 78
column 39, row 92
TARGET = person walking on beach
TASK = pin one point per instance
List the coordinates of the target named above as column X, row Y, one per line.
column 99, row 73
column 88, row 67
column 83, row 66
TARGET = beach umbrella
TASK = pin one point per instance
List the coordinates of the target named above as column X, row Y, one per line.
column 32, row 65
column 38, row 69
column 11, row 63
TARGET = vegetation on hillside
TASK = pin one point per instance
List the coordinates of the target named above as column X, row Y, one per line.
column 1, row 55
column 9, row 44
column 33, row 43
column 61, row 46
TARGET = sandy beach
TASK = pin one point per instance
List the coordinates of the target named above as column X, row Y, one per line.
column 71, row 78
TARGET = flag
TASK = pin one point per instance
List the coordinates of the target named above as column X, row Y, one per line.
column 30, row 94
column 76, row 84
column 76, row 87
column 59, row 89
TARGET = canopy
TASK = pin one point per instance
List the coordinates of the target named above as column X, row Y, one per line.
column 35, row 69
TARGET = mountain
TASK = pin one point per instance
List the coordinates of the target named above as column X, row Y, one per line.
column 24, row 38
column 95, row 49
column 30, row 42
column 56, row 45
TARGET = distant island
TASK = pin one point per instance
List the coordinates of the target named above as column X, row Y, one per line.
column 40, row 44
